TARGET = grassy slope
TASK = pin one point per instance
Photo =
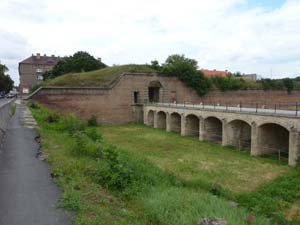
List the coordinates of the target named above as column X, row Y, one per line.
column 96, row 78
column 260, row 184
column 194, row 161
column 94, row 204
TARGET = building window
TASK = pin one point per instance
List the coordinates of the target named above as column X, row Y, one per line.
column 39, row 77
column 39, row 70
column 135, row 97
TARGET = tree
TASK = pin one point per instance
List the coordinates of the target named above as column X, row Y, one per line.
column 79, row 62
column 186, row 70
column 6, row 83
column 180, row 66
column 289, row 85
column 155, row 65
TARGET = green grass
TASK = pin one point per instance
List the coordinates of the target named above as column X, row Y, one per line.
column 117, row 186
column 198, row 163
column 97, row 78
column 13, row 109
column 262, row 185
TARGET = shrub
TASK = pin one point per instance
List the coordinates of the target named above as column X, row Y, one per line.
column 179, row 206
column 272, row 198
column 92, row 121
column 73, row 124
column 84, row 146
column 93, row 134
column 52, row 118
column 186, row 70
column 34, row 105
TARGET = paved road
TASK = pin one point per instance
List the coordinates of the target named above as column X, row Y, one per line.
column 27, row 193
column 260, row 111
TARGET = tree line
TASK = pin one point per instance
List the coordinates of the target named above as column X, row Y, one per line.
column 184, row 68
column 6, row 83
column 187, row 70
column 79, row 62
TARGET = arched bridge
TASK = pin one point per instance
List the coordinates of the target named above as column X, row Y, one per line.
column 261, row 133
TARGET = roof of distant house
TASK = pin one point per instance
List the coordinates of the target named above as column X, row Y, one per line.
column 41, row 59
column 210, row 73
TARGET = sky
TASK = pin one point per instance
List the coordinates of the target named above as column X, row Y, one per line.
column 249, row 36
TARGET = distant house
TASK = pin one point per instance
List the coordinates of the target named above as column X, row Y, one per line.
column 32, row 68
column 252, row 76
column 209, row 73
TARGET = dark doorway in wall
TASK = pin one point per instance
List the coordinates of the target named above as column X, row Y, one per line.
column 135, row 97
column 153, row 91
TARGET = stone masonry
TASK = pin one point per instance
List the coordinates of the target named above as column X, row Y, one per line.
column 261, row 134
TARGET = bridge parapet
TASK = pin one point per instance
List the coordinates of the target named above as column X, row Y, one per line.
column 260, row 131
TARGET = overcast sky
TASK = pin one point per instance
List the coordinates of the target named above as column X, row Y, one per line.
column 250, row 36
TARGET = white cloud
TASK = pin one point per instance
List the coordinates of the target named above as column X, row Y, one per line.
column 221, row 34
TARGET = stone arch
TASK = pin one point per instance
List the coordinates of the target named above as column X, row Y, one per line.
column 161, row 120
column 273, row 138
column 154, row 91
column 278, row 122
column 213, row 129
column 151, row 118
column 175, row 122
column 192, row 125
column 239, row 134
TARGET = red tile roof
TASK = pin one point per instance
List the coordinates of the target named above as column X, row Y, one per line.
column 210, row 73
column 41, row 60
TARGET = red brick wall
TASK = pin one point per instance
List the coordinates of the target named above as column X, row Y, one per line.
column 250, row 97
column 114, row 105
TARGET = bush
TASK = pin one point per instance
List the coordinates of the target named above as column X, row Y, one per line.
column 52, row 118
column 34, row 105
column 93, row 134
column 81, row 61
column 273, row 198
column 92, row 121
column 186, row 70
column 179, row 206
column 129, row 174
column 228, row 83
column 84, row 146
column 73, row 124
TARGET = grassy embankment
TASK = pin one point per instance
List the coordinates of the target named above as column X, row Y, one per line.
column 153, row 177
column 97, row 78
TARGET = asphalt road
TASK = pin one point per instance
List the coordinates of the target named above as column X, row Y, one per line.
column 27, row 194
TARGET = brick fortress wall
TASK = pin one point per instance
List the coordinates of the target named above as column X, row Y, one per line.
column 115, row 104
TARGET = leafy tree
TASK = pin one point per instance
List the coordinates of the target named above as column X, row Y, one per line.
column 180, row 66
column 79, row 62
column 289, row 85
column 155, row 65
column 267, row 84
column 6, row 83
column 186, row 70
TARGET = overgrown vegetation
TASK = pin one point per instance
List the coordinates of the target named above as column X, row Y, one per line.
column 259, row 184
column 83, row 70
column 79, row 62
column 6, row 83
column 92, row 121
column 274, row 198
column 280, row 84
column 103, row 77
column 186, row 70
column 107, row 184
column 231, row 82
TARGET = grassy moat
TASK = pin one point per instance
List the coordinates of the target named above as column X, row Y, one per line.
column 133, row 174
